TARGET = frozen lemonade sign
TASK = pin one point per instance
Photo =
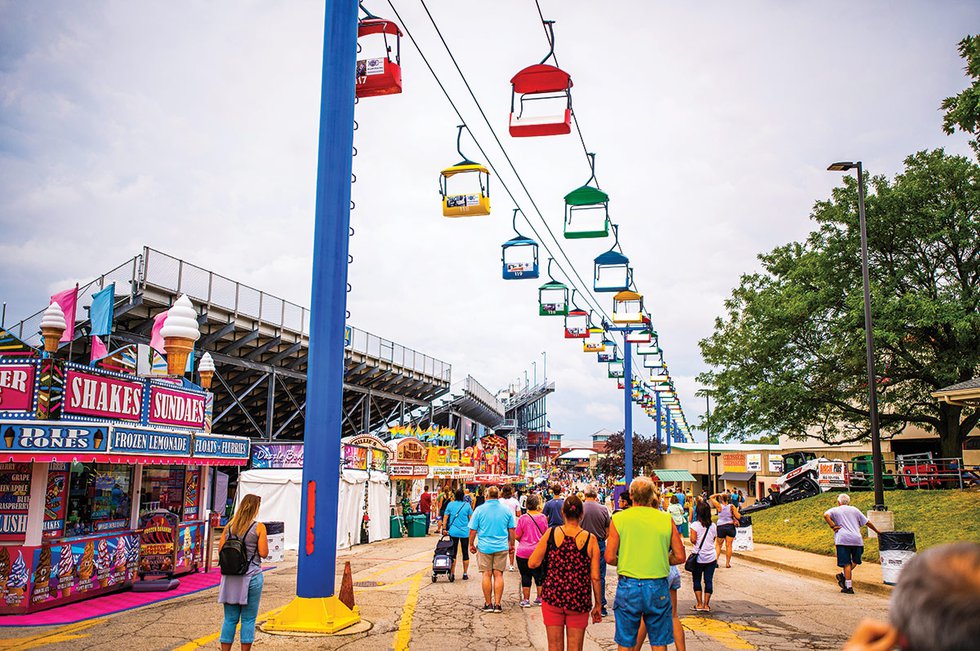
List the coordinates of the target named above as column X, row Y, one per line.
column 103, row 397
column 16, row 387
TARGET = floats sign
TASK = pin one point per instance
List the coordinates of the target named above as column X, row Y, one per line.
column 221, row 447
column 16, row 387
column 103, row 397
column 180, row 408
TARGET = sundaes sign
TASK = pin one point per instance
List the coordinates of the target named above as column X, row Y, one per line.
column 104, row 397
column 173, row 407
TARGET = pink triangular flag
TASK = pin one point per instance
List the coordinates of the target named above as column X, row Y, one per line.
column 67, row 300
column 156, row 337
column 98, row 349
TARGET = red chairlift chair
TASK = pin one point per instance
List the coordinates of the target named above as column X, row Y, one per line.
column 379, row 75
column 541, row 82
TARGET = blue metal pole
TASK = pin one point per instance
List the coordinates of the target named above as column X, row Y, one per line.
column 328, row 305
column 659, row 424
column 669, row 425
column 628, row 409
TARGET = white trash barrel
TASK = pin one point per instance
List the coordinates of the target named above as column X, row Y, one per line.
column 276, row 533
column 895, row 548
column 743, row 535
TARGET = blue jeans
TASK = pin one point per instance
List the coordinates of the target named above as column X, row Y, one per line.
column 707, row 570
column 246, row 613
column 647, row 600
column 602, row 570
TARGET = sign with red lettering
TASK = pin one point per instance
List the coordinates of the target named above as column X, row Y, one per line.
column 104, row 397
column 175, row 407
column 17, row 387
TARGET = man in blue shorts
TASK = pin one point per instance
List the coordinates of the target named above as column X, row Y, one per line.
column 643, row 543
column 846, row 521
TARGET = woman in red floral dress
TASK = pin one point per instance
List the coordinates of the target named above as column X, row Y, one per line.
column 571, row 582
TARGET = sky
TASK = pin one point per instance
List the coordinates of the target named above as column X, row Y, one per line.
column 192, row 128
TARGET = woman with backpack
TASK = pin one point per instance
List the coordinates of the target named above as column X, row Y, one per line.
column 242, row 546
column 530, row 527
column 571, row 582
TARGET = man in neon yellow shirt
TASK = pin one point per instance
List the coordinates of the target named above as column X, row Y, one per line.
column 643, row 543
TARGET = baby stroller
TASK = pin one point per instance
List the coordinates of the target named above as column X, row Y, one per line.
column 442, row 560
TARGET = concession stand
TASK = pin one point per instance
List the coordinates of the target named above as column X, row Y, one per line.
column 102, row 478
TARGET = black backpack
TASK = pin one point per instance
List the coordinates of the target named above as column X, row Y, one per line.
column 233, row 557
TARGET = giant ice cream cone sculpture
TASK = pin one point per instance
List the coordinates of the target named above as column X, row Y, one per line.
column 180, row 331
column 53, row 326
column 205, row 368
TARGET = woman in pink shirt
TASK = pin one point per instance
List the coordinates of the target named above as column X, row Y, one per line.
column 530, row 527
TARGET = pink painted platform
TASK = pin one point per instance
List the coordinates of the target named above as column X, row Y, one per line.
column 113, row 603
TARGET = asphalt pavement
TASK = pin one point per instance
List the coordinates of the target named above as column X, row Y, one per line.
column 755, row 607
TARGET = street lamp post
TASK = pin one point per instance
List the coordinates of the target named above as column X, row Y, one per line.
column 876, row 459
column 707, row 427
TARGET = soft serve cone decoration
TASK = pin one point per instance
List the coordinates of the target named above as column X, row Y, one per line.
column 180, row 331
column 53, row 326
column 205, row 369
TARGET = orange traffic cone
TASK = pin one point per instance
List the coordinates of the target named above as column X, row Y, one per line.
column 346, row 596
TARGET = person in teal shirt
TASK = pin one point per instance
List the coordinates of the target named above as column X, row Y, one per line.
column 456, row 523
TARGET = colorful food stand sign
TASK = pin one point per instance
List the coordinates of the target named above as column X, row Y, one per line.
column 15, row 494
column 356, row 457
column 17, row 388
column 158, row 543
column 277, row 455
column 32, row 437
column 177, row 408
column 233, row 449
column 134, row 440
column 102, row 396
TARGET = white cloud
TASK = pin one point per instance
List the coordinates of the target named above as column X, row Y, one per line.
column 192, row 128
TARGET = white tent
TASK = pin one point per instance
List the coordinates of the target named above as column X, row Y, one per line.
column 281, row 493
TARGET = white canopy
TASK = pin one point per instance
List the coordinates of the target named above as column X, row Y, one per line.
column 577, row 455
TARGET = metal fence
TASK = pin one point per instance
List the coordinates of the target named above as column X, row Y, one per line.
column 388, row 351
column 926, row 473
column 480, row 393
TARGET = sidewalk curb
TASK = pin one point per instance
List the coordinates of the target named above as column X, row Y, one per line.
column 863, row 586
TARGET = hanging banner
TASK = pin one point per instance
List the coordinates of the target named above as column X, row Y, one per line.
column 54, row 500
column 100, row 396
column 494, row 458
column 277, row 455
column 17, row 386
column 15, row 496
column 355, row 457
column 775, row 464
column 832, row 475
column 753, row 462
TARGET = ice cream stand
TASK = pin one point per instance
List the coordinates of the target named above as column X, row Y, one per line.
column 85, row 454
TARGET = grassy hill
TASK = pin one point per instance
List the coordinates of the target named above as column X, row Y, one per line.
column 936, row 517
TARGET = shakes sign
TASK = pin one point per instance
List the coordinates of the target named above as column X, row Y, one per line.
column 102, row 397
column 17, row 387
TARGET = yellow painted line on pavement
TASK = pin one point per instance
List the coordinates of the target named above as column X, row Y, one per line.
column 62, row 634
column 389, row 569
column 404, row 633
column 722, row 632
column 207, row 639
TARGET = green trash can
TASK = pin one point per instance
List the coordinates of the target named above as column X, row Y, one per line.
column 396, row 526
column 416, row 525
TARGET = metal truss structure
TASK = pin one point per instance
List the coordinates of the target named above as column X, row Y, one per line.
column 259, row 343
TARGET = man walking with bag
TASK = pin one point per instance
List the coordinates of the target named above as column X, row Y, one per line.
column 596, row 520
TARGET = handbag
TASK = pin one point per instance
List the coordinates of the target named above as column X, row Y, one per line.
column 692, row 558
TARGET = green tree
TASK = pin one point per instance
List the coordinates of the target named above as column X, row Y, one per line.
column 789, row 355
column 963, row 111
column 645, row 455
